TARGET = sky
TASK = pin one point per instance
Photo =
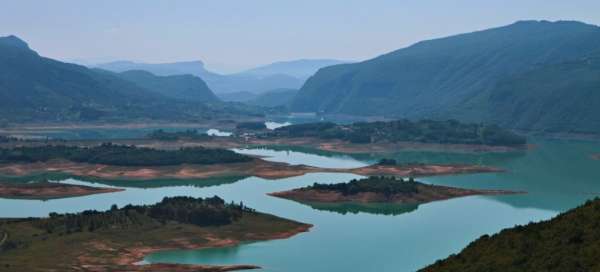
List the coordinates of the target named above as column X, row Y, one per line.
column 230, row 35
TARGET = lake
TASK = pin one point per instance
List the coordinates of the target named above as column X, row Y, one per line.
column 558, row 175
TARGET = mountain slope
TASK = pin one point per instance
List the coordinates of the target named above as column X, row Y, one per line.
column 161, row 69
column 569, row 242
column 448, row 77
column 301, row 69
column 288, row 75
column 562, row 97
column 182, row 87
column 38, row 89
column 274, row 98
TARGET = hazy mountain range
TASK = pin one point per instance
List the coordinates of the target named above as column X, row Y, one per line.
column 287, row 74
column 528, row 75
column 38, row 89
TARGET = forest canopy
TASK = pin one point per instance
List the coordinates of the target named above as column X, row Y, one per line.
column 121, row 155
column 424, row 131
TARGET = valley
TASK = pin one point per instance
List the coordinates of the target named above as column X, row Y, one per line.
column 325, row 136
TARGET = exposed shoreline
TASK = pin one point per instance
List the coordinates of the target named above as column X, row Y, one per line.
column 257, row 167
column 336, row 146
column 333, row 145
column 47, row 190
column 125, row 249
column 427, row 193
column 134, row 256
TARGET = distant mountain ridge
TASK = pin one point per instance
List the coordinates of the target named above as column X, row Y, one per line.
column 302, row 68
column 462, row 77
column 274, row 98
column 182, row 87
column 39, row 89
column 287, row 74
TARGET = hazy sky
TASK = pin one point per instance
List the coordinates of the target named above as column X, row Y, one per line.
column 232, row 35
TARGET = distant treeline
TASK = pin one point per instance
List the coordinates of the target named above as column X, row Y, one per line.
column 425, row 131
column 190, row 134
column 568, row 243
column 121, row 155
column 251, row 126
column 212, row 211
column 384, row 185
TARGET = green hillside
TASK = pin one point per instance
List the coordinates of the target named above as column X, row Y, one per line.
column 568, row 243
column 38, row 89
column 462, row 77
column 183, row 87
column 274, row 98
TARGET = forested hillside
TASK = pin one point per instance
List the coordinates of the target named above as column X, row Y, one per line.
column 474, row 77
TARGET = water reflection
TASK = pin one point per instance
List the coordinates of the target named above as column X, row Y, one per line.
column 356, row 208
column 558, row 175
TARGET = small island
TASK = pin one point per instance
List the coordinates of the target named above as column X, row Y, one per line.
column 115, row 240
column 380, row 189
column 566, row 243
column 48, row 190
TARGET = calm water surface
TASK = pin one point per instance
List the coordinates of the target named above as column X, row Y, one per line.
column 558, row 175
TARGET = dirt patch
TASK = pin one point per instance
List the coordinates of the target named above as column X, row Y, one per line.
column 46, row 190
column 257, row 167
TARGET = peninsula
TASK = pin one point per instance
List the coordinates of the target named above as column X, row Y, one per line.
column 48, row 190
column 117, row 239
column 380, row 190
column 118, row 162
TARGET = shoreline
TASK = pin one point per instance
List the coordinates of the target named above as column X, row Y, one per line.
column 125, row 249
column 336, row 146
column 48, row 191
column 257, row 167
column 427, row 194
column 137, row 255
column 350, row 148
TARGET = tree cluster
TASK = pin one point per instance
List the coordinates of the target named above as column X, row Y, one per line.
column 121, row 155
column 379, row 184
column 191, row 134
column 212, row 211
column 251, row 126
column 425, row 131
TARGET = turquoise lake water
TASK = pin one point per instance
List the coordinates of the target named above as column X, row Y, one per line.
column 558, row 175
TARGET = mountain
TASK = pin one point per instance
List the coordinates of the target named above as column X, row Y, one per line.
column 289, row 74
column 182, row 87
column 38, row 89
column 238, row 96
column 301, row 69
column 161, row 69
column 236, row 83
column 274, row 98
column 468, row 77
column 567, row 243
